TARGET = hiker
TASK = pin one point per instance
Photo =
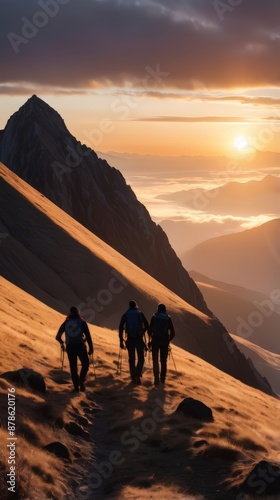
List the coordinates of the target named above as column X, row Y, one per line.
column 135, row 325
column 76, row 335
column 161, row 332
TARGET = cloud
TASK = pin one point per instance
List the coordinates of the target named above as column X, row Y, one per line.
column 194, row 119
column 151, row 44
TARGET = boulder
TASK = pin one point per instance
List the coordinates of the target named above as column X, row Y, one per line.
column 263, row 480
column 26, row 377
column 58, row 449
column 196, row 409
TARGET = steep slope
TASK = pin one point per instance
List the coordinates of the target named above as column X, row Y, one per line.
column 250, row 259
column 54, row 258
column 132, row 434
column 37, row 146
column 256, row 320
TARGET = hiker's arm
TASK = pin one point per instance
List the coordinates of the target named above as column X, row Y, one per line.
column 59, row 334
column 88, row 336
column 121, row 327
column 150, row 327
column 144, row 322
column 171, row 328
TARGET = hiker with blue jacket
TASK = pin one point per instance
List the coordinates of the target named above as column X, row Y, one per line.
column 135, row 325
column 77, row 334
column 161, row 332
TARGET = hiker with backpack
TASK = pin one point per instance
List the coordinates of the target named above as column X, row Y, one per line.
column 161, row 332
column 77, row 334
column 135, row 324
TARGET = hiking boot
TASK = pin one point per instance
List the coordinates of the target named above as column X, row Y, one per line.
column 76, row 388
column 162, row 381
column 138, row 380
column 82, row 388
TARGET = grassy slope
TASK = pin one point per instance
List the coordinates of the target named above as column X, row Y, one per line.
column 166, row 461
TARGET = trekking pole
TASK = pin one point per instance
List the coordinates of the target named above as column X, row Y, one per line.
column 119, row 369
column 170, row 352
column 62, row 352
column 93, row 365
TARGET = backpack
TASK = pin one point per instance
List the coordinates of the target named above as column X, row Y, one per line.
column 160, row 325
column 133, row 322
column 74, row 330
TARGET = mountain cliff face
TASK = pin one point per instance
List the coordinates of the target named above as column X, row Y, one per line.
column 37, row 146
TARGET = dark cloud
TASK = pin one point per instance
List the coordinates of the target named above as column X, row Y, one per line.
column 194, row 44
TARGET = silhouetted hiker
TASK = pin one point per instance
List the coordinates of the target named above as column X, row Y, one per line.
column 161, row 332
column 135, row 325
column 76, row 335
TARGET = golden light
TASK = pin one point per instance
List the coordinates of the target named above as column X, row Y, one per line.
column 241, row 143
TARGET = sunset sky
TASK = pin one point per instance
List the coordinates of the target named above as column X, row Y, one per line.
column 169, row 77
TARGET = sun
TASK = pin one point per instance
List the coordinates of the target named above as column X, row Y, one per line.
column 241, row 143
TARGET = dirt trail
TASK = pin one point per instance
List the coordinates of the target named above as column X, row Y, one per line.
column 141, row 449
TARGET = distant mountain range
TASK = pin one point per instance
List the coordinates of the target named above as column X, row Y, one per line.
column 37, row 146
column 249, row 258
column 234, row 198
column 250, row 315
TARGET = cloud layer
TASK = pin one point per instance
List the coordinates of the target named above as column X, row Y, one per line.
column 89, row 43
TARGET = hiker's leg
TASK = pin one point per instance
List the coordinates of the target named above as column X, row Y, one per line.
column 141, row 359
column 131, row 357
column 72, row 356
column 83, row 356
column 163, row 360
column 155, row 351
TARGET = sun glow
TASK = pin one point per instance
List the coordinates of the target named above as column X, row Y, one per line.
column 241, row 143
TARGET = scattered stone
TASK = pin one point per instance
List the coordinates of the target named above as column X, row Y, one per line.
column 200, row 443
column 193, row 408
column 58, row 449
column 26, row 377
column 76, row 430
column 82, row 420
column 263, row 480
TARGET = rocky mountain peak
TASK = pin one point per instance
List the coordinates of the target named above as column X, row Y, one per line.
column 36, row 112
column 37, row 146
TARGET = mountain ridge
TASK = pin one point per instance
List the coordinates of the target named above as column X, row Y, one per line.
column 38, row 147
column 233, row 258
